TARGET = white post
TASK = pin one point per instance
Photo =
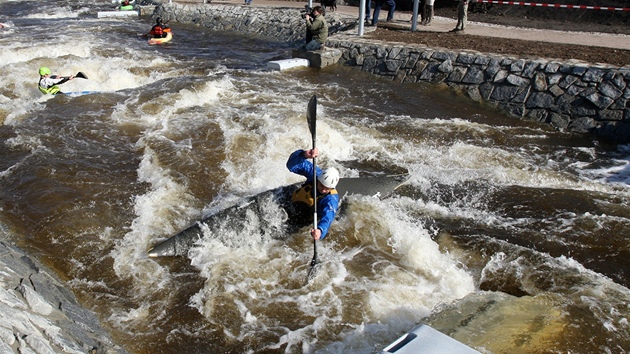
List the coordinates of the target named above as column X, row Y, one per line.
column 361, row 15
column 414, row 17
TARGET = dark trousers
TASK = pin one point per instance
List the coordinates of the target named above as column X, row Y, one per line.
column 377, row 10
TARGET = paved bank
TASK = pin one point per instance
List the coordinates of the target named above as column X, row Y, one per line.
column 444, row 24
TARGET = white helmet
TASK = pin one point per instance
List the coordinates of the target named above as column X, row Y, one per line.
column 329, row 177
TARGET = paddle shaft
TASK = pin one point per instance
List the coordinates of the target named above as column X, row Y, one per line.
column 315, row 260
column 312, row 125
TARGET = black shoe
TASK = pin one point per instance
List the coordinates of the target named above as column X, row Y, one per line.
column 455, row 30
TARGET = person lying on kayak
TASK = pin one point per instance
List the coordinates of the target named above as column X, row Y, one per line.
column 159, row 30
column 327, row 197
column 125, row 6
column 48, row 84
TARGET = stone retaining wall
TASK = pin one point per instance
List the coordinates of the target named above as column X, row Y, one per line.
column 572, row 96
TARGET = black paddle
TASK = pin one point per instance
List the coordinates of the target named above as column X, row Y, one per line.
column 311, row 117
column 80, row 75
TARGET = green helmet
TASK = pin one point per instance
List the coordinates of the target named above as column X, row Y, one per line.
column 44, row 71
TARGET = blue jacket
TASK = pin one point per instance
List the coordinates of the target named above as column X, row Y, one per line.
column 328, row 204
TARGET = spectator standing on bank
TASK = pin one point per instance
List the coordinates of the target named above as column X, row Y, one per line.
column 421, row 11
column 462, row 16
column 377, row 10
column 428, row 12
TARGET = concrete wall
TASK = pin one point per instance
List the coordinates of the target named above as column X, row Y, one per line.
column 572, row 96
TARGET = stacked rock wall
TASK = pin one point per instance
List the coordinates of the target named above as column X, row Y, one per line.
column 572, row 96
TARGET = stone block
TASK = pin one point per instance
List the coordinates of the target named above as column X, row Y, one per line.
column 517, row 80
column 579, row 70
column 540, row 82
column 618, row 81
column 504, row 93
column 393, row 65
column 482, row 60
column 582, row 108
column 521, row 94
column 472, row 91
column 537, row 115
column 552, row 68
column 564, row 103
column 486, row 89
column 619, row 103
column 556, row 90
column 601, row 101
column 609, row 90
column 457, row 74
column 319, row 58
column 554, row 79
column 610, row 115
column 567, row 81
column 411, row 60
column 500, row 76
column 493, row 67
column 419, row 67
column 582, row 125
column 574, row 90
column 427, row 54
column 474, row 76
column 397, row 53
column 517, row 66
column 559, row 121
column 444, row 56
column 540, row 100
column 429, row 71
column 530, row 69
column 466, row 59
column 593, row 75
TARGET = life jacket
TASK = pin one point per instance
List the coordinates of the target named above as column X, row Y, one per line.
column 52, row 90
column 304, row 195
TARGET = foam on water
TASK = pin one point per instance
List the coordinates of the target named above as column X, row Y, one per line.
column 253, row 275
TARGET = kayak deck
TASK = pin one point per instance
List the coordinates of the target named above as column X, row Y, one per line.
column 179, row 244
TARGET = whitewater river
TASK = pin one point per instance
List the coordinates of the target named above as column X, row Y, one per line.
column 508, row 236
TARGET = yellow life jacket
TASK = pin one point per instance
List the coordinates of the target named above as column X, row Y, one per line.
column 52, row 90
column 304, row 195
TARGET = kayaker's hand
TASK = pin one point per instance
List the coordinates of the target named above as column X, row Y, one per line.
column 316, row 233
column 311, row 153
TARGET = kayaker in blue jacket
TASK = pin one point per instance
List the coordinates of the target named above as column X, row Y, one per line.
column 327, row 197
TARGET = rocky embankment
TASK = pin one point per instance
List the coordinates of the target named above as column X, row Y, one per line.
column 38, row 314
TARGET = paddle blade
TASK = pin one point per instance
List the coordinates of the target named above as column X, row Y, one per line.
column 81, row 75
column 311, row 115
column 312, row 271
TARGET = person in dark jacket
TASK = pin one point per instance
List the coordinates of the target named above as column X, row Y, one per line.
column 317, row 28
